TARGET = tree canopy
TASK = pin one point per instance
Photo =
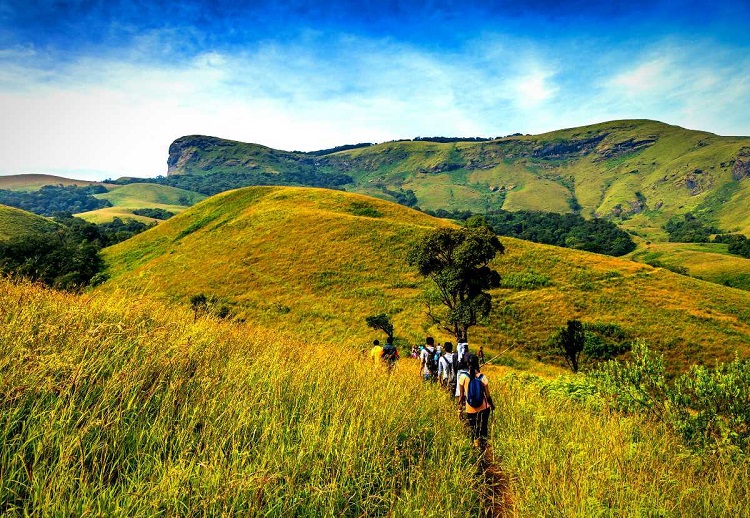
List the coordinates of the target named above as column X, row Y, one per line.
column 457, row 260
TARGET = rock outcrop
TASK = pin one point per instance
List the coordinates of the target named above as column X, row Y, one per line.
column 741, row 168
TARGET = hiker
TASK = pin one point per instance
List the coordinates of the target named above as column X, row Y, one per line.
column 447, row 367
column 414, row 352
column 427, row 362
column 376, row 352
column 462, row 368
column 475, row 393
column 462, row 348
column 480, row 355
column 390, row 353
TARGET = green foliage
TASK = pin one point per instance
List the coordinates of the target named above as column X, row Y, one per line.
column 738, row 244
column 708, row 408
column 381, row 322
column 457, row 260
column 154, row 213
column 51, row 199
column 362, row 208
column 65, row 258
column 571, row 340
column 566, row 230
column 527, row 280
column 689, row 229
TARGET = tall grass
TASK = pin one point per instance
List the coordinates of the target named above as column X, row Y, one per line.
column 112, row 406
column 566, row 460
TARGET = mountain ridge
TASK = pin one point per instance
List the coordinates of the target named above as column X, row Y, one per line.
column 636, row 172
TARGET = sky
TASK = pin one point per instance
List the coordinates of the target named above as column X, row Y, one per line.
column 99, row 89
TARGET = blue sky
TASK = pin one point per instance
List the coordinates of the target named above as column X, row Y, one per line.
column 100, row 88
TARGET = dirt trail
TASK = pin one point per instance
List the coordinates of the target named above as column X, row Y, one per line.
column 495, row 494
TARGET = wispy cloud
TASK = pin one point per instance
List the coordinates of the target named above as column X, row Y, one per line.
column 117, row 114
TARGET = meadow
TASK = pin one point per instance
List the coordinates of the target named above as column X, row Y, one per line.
column 317, row 262
column 121, row 406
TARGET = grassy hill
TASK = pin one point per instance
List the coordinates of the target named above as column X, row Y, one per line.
column 126, row 198
column 15, row 222
column 316, row 262
column 637, row 172
column 128, row 406
column 709, row 261
column 32, row 182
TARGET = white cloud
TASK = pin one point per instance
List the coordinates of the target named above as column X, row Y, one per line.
column 116, row 117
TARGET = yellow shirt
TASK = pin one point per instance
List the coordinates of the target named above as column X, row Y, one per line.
column 375, row 353
column 463, row 380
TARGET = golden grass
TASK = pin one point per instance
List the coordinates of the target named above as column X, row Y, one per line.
column 32, row 182
column 300, row 260
column 120, row 406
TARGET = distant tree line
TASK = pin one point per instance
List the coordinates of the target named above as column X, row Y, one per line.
column 738, row 244
column 51, row 199
column 67, row 256
column 336, row 149
column 154, row 213
column 566, row 230
column 689, row 229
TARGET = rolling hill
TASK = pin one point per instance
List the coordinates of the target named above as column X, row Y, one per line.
column 17, row 223
column 316, row 262
column 32, row 182
column 636, row 172
column 126, row 198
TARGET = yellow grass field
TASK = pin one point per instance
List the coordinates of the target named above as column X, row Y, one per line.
column 317, row 262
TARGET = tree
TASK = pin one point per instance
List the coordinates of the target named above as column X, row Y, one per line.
column 457, row 260
column 381, row 322
column 199, row 303
column 571, row 340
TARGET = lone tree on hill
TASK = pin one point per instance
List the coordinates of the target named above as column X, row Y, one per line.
column 457, row 260
column 381, row 322
column 571, row 340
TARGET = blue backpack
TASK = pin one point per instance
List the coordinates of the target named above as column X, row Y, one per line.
column 475, row 397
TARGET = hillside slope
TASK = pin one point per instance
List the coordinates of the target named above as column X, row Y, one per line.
column 637, row 172
column 32, row 182
column 126, row 198
column 17, row 223
column 317, row 262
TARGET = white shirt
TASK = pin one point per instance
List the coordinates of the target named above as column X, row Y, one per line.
column 426, row 353
column 445, row 365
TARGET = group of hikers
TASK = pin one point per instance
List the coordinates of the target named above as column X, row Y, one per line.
column 458, row 372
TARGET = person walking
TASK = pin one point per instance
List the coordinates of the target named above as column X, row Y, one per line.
column 474, row 393
column 376, row 352
column 446, row 368
column 390, row 353
column 427, row 362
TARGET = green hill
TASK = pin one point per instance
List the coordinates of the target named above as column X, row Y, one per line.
column 16, row 222
column 316, row 262
column 126, row 198
column 637, row 172
column 32, row 182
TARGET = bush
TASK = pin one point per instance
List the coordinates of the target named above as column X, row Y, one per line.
column 708, row 408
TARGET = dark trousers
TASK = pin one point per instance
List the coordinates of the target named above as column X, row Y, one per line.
column 478, row 424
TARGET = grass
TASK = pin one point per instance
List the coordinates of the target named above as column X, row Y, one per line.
column 120, row 406
column 16, row 222
column 32, row 182
column 709, row 261
column 126, row 198
column 299, row 260
column 564, row 459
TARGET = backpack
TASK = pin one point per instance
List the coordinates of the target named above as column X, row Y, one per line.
column 475, row 397
column 453, row 364
column 432, row 362
column 390, row 354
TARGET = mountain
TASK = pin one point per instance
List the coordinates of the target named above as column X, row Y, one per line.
column 17, row 223
column 316, row 262
column 638, row 173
